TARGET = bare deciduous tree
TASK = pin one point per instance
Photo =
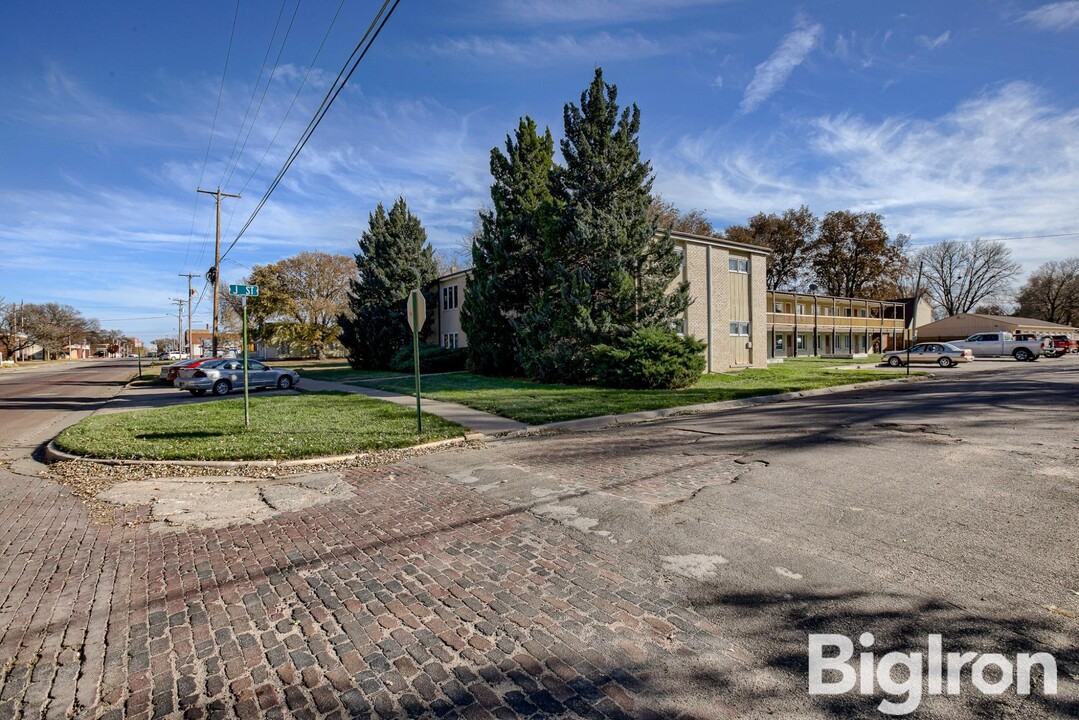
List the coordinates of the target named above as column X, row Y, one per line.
column 958, row 276
column 1052, row 293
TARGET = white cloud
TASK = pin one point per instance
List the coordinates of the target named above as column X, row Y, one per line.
column 1004, row 163
column 771, row 74
column 529, row 12
column 551, row 49
column 1055, row 16
column 933, row 43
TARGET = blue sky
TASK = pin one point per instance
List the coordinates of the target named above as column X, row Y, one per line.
column 952, row 119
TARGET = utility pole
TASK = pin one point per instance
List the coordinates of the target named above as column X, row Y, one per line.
column 217, row 257
column 179, row 321
column 190, row 294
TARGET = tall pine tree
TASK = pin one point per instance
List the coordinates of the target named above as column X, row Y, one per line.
column 394, row 259
column 507, row 259
column 608, row 274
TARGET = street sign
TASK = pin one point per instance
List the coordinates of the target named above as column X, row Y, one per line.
column 416, row 304
column 245, row 290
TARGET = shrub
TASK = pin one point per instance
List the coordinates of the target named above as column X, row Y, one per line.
column 649, row 359
column 433, row 358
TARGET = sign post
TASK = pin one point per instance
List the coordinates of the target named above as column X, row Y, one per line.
column 245, row 291
column 417, row 313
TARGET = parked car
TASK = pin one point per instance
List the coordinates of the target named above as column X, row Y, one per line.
column 224, row 375
column 941, row 354
column 169, row 373
column 1064, row 343
column 1002, row 344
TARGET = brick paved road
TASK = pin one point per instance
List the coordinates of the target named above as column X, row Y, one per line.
column 418, row 596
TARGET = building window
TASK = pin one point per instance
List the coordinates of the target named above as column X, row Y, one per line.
column 739, row 265
column 739, row 328
column 779, row 342
column 801, row 309
column 777, row 307
column 681, row 251
column 449, row 297
column 449, row 340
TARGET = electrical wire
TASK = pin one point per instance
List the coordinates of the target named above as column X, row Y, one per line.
column 254, row 90
column 1031, row 237
column 213, row 126
column 331, row 96
column 295, row 97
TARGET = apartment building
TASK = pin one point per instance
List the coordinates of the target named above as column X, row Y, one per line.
column 727, row 307
column 801, row 324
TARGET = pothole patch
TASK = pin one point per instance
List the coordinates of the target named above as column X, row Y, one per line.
column 695, row 567
column 222, row 501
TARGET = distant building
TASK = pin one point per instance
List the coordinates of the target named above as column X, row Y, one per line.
column 963, row 325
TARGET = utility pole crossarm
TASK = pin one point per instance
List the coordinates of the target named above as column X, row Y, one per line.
column 217, row 255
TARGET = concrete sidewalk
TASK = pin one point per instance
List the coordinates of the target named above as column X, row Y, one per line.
column 477, row 420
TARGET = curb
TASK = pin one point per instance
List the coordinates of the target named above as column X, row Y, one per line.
column 55, row 454
column 605, row 421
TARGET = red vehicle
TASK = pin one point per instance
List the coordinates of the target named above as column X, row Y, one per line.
column 1064, row 343
column 171, row 372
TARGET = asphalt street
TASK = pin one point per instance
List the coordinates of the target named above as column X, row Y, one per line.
column 947, row 507
column 36, row 402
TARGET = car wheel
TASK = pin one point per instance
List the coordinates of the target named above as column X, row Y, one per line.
column 894, row 361
column 284, row 383
column 221, row 387
column 945, row 362
column 1021, row 354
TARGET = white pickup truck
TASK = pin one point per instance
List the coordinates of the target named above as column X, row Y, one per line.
column 1001, row 344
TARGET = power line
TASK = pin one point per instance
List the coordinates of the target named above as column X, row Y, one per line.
column 311, row 66
column 213, row 126
column 254, row 90
column 331, row 95
column 1032, row 237
column 295, row 97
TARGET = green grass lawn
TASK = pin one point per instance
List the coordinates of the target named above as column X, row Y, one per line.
column 331, row 369
column 282, row 427
column 536, row 403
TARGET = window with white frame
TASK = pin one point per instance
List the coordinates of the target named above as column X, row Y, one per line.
column 449, row 340
column 449, row 297
column 739, row 329
column 777, row 307
column 738, row 265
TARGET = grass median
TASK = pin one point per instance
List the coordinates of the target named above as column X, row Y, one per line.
column 283, row 427
column 537, row 403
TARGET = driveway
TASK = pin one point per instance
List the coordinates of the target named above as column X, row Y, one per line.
column 675, row 568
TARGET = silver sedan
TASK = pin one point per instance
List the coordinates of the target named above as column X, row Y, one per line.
column 221, row 377
column 941, row 354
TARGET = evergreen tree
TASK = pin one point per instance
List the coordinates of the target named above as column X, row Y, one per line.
column 394, row 259
column 608, row 272
column 507, row 257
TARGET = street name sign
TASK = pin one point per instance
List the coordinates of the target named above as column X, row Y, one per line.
column 245, row 290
